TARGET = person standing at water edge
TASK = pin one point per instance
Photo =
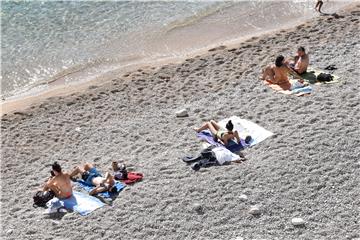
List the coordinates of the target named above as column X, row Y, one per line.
column 319, row 5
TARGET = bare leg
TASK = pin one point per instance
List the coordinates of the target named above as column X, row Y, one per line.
column 215, row 125
column 317, row 5
column 320, row 5
column 203, row 127
column 105, row 185
column 109, row 179
column 236, row 134
column 97, row 190
column 207, row 125
column 76, row 171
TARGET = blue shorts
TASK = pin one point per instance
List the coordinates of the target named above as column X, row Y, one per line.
column 93, row 173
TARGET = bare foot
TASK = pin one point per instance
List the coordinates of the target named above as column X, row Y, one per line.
column 196, row 130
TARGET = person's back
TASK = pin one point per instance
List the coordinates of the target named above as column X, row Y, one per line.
column 280, row 75
column 61, row 186
column 60, row 183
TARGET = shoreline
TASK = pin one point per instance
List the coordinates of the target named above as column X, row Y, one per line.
column 308, row 169
column 60, row 87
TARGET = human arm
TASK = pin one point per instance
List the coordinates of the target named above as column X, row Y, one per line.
column 223, row 141
column 47, row 185
column 295, row 74
column 236, row 134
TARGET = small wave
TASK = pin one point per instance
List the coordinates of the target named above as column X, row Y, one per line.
column 216, row 7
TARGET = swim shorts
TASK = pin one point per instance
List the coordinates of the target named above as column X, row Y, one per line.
column 93, row 172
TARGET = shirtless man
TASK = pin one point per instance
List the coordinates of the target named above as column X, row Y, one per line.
column 92, row 177
column 278, row 74
column 59, row 183
column 300, row 62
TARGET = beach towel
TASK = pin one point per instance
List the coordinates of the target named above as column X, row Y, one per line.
column 79, row 202
column 208, row 137
column 118, row 185
column 311, row 77
column 133, row 177
column 296, row 89
column 244, row 127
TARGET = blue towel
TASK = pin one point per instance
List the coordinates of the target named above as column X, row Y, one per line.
column 306, row 89
column 78, row 202
column 118, row 185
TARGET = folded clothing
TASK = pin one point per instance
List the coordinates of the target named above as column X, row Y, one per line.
column 78, row 202
column 132, row 177
column 87, row 187
column 224, row 155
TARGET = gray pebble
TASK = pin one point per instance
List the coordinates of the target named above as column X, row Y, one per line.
column 255, row 210
column 197, row 208
column 182, row 113
column 297, row 221
column 243, row 197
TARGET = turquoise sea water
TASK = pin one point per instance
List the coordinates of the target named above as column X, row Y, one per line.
column 41, row 39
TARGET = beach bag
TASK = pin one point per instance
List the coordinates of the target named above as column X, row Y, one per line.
column 207, row 153
column 324, row 77
column 41, row 198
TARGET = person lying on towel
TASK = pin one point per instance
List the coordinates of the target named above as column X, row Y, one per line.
column 94, row 178
column 59, row 182
column 278, row 74
column 220, row 134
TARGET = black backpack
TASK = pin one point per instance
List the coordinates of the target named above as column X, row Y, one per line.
column 41, row 198
column 324, row 77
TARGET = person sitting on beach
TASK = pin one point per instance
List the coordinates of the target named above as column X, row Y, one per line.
column 92, row 177
column 120, row 171
column 300, row 62
column 220, row 134
column 278, row 74
column 59, row 183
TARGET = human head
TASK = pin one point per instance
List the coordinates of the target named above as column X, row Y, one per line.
column 248, row 139
column 115, row 166
column 229, row 126
column 301, row 51
column 279, row 61
column 56, row 168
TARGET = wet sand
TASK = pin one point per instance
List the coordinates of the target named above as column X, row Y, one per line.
column 308, row 169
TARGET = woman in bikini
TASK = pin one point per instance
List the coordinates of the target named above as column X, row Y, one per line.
column 222, row 135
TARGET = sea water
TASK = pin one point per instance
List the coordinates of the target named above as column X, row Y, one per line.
column 43, row 41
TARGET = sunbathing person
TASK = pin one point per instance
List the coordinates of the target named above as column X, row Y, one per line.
column 93, row 177
column 220, row 134
column 300, row 62
column 59, row 183
column 278, row 74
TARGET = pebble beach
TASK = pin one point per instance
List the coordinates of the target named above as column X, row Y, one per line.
column 301, row 183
